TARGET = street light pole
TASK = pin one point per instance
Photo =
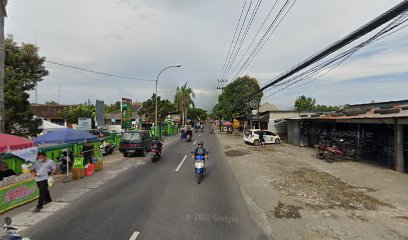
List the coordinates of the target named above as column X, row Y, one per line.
column 157, row 80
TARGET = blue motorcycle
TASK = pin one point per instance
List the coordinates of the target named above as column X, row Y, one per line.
column 199, row 167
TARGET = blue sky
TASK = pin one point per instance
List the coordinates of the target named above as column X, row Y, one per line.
column 137, row 38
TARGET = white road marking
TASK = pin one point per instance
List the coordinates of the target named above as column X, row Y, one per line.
column 134, row 235
column 181, row 163
column 199, row 135
column 194, row 142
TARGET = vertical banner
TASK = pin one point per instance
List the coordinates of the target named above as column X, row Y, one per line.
column 126, row 113
column 100, row 113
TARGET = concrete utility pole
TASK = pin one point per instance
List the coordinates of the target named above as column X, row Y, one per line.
column 3, row 14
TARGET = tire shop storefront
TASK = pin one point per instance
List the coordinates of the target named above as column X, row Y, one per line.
column 380, row 135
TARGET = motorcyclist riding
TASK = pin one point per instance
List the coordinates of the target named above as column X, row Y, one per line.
column 157, row 142
column 189, row 132
column 201, row 151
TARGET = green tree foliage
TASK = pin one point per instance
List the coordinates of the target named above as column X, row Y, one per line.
column 183, row 100
column 194, row 113
column 304, row 103
column 234, row 100
column 51, row 102
column 24, row 68
column 72, row 113
column 164, row 107
column 112, row 107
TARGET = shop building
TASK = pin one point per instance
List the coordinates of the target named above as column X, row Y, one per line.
column 378, row 130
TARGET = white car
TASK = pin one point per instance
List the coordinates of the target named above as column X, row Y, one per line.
column 252, row 136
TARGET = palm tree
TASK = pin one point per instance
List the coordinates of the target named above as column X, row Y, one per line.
column 183, row 100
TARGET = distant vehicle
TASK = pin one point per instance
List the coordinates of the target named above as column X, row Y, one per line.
column 133, row 142
column 252, row 136
column 100, row 132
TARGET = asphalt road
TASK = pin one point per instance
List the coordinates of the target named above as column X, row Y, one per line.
column 154, row 201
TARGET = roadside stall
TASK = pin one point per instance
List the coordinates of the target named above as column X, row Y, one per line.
column 17, row 185
column 227, row 127
column 81, row 162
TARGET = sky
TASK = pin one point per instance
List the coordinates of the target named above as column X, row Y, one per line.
column 138, row 38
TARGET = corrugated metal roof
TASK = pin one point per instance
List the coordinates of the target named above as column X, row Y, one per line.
column 369, row 115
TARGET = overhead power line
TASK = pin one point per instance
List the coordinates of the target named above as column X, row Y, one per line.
column 266, row 36
column 232, row 42
column 377, row 22
column 248, row 27
column 332, row 63
column 96, row 72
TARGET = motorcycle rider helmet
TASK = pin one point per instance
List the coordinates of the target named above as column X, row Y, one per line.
column 201, row 143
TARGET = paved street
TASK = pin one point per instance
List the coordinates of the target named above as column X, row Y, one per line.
column 154, row 201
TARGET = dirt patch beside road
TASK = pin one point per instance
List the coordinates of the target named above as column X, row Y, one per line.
column 325, row 191
column 293, row 195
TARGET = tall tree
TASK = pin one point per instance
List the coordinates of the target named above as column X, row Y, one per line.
column 194, row 113
column 51, row 102
column 234, row 100
column 72, row 113
column 183, row 100
column 303, row 103
column 112, row 107
column 24, row 68
column 164, row 107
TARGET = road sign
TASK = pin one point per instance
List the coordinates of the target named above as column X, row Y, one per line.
column 253, row 103
column 254, row 112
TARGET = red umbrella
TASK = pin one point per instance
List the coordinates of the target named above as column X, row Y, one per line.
column 10, row 143
column 227, row 123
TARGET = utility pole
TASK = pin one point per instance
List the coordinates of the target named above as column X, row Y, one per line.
column 3, row 14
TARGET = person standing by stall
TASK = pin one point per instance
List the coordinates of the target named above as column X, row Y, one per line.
column 42, row 169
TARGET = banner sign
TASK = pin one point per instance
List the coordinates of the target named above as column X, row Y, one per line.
column 17, row 194
column 84, row 124
column 126, row 113
column 28, row 154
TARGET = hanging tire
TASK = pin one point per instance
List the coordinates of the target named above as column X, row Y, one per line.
column 256, row 142
column 277, row 141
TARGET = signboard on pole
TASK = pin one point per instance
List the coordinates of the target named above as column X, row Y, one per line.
column 126, row 113
column 100, row 113
column 85, row 123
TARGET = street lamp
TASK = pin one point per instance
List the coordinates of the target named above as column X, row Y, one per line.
column 157, row 80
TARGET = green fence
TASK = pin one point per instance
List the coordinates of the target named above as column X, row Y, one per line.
column 53, row 152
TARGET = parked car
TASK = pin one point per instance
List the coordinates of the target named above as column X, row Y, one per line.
column 252, row 136
column 133, row 142
column 100, row 132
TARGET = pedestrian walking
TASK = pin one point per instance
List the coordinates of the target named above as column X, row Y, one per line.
column 261, row 138
column 42, row 169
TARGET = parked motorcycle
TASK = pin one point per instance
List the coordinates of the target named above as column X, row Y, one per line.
column 156, row 153
column 212, row 130
column 199, row 167
column 11, row 232
column 107, row 148
column 188, row 138
column 338, row 150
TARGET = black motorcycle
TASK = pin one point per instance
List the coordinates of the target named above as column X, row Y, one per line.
column 107, row 148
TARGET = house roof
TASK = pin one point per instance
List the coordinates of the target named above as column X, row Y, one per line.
column 370, row 114
column 118, row 115
column 48, row 111
column 267, row 107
